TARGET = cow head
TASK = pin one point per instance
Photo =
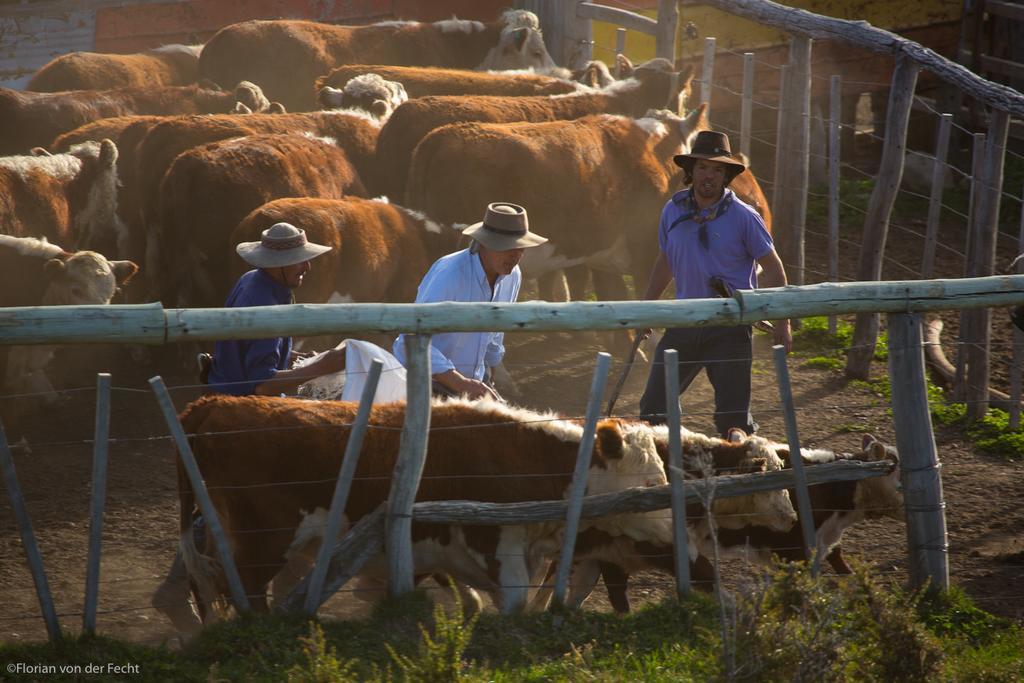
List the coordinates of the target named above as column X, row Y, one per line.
column 879, row 496
column 93, row 196
column 84, row 278
column 520, row 44
column 705, row 456
column 655, row 84
column 631, row 459
column 367, row 93
column 594, row 74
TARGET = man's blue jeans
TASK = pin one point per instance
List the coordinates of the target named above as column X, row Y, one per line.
column 726, row 353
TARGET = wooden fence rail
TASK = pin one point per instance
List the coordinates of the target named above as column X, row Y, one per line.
column 152, row 324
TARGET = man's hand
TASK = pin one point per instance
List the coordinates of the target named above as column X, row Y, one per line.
column 459, row 384
column 783, row 334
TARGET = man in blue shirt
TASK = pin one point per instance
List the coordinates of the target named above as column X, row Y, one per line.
column 706, row 232
column 264, row 366
column 253, row 366
column 486, row 271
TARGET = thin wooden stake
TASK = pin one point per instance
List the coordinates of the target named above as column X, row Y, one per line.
column 579, row 477
column 412, row 454
column 747, row 104
column 101, row 445
column 967, row 332
column 834, row 146
column 342, row 488
column 213, row 525
column 707, row 73
column 796, row 462
column 675, row 473
column 935, row 199
column 28, row 539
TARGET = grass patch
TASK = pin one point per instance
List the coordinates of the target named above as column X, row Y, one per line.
column 786, row 625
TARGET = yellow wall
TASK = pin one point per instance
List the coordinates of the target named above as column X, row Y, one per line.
column 733, row 33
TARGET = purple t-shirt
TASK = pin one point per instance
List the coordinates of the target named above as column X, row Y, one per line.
column 736, row 239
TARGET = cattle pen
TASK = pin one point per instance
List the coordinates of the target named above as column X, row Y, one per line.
column 901, row 300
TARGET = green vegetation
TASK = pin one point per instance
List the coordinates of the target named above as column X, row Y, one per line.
column 816, row 348
column 787, row 626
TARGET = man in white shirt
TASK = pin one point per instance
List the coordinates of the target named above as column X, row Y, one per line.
column 487, row 271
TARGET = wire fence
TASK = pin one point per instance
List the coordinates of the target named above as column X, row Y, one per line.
column 124, row 598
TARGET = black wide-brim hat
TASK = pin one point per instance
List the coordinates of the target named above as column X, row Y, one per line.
column 712, row 146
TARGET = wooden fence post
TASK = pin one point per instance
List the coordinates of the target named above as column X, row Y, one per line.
column 665, row 38
column 919, row 463
column 834, row 125
column 1018, row 336
column 28, row 539
column 101, row 444
column 935, row 198
column 983, row 263
column 792, row 167
column 213, row 525
column 747, row 104
column 680, row 541
column 967, row 322
column 707, row 74
column 876, row 223
column 578, row 487
column 412, row 453
column 341, row 489
column 796, row 462
column 785, row 112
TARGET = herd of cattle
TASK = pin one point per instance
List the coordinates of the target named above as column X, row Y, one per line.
column 380, row 141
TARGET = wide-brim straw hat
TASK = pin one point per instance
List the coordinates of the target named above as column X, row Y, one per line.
column 282, row 244
column 505, row 226
column 712, row 146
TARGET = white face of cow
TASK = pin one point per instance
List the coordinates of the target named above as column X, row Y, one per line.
column 880, row 496
column 518, row 48
column 84, row 278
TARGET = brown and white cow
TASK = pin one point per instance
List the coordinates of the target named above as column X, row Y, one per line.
column 34, row 272
column 589, row 184
column 483, row 451
column 209, row 189
column 654, row 86
column 32, row 119
column 68, row 198
column 367, row 93
column 836, row 506
column 380, row 251
column 420, row 81
column 166, row 65
column 286, row 57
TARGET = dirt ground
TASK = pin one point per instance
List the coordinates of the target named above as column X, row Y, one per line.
column 983, row 492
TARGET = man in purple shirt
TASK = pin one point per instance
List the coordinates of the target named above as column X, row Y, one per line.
column 706, row 232
column 264, row 366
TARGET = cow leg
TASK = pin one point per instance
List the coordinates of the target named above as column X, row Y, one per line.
column 616, row 581
column 583, row 579
column 837, row 562
column 171, row 599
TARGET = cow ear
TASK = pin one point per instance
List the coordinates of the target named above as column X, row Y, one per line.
column 207, row 84
column 519, row 37
column 54, row 267
column 108, row 153
column 276, row 108
column 329, row 97
column 379, row 108
column 623, row 67
column 609, row 439
column 123, row 271
column 40, row 152
column 866, row 441
column 241, row 109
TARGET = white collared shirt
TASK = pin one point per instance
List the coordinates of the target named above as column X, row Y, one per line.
column 460, row 277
